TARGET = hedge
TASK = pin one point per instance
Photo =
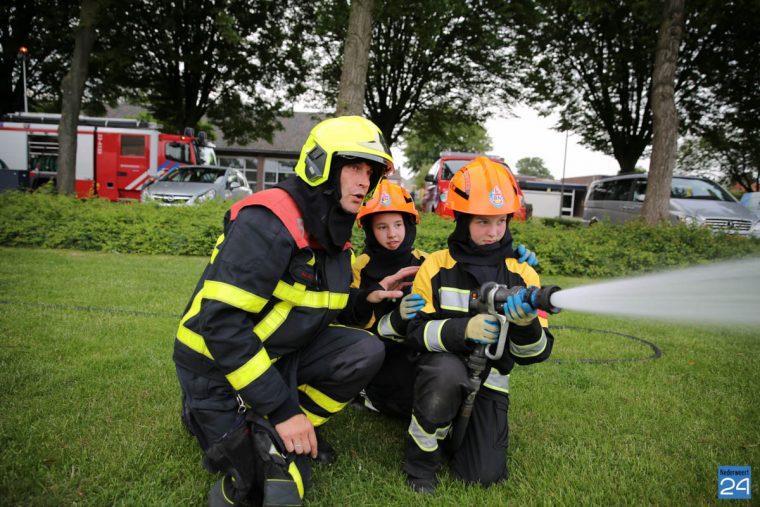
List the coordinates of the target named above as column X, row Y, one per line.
column 564, row 247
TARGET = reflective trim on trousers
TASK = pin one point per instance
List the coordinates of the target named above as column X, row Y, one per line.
column 496, row 381
column 428, row 442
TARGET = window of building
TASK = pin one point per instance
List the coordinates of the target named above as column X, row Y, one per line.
column 277, row 170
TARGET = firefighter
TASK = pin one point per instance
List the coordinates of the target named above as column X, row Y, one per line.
column 259, row 363
column 483, row 197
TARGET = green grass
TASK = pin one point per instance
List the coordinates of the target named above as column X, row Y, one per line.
column 90, row 403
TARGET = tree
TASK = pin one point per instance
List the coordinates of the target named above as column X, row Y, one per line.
column 353, row 78
column 72, row 88
column 435, row 131
column 723, row 109
column 533, row 166
column 592, row 63
column 665, row 133
column 36, row 25
column 236, row 61
column 425, row 55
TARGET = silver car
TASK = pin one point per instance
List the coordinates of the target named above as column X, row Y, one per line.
column 192, row 184
column 692, row 200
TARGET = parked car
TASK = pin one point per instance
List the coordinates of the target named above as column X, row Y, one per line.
column 435, row 194
column 692, row 200
column 192, row 184
column 751, row 200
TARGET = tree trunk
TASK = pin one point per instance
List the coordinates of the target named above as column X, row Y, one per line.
column 72, row 88
column 353, row 77
column 664, row 116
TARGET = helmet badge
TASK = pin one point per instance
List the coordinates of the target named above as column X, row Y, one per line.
column 385, row 199
column 496, row 197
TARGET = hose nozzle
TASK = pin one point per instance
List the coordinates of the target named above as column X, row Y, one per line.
column 492, row 297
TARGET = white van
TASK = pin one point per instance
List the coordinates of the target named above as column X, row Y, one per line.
column 692, row 200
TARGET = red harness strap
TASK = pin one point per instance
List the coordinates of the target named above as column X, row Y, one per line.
column 281, row 204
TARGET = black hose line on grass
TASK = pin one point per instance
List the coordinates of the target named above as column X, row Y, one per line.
column 656, row 352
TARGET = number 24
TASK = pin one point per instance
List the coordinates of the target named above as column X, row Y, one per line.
column 734, row 486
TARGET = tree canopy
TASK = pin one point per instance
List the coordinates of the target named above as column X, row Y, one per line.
column 435, row 131
column 37, row 26
column 236, row 61
column 425, row 55
column 533, row 166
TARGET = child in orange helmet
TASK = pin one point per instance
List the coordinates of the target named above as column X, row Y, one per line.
column 483, row 196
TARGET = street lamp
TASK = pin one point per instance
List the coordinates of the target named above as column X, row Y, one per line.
column 562, row 181
column 24, row 51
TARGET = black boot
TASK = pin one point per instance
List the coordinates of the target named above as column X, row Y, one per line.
column 224, row 492
column 424, row 486
column 326, row 453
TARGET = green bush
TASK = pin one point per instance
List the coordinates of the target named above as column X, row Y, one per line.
column 563, row 247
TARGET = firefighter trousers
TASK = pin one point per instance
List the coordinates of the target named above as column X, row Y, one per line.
column 440, row 386
column 327, row 374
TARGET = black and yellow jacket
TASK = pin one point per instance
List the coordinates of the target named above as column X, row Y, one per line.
column 447, row 289
column 381, row 318
column 264, row 294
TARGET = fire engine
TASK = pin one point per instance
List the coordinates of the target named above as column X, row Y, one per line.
column 115, row 157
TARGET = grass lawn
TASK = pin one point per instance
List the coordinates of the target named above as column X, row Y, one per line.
column 90, row 403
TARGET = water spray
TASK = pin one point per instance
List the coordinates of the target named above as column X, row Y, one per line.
column 727, row 292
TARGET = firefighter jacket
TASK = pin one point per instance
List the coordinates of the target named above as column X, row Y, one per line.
column 267, row 290
column 381, row 318
column 440, row 327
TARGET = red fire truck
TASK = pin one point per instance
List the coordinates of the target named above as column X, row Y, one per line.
column 115, row 156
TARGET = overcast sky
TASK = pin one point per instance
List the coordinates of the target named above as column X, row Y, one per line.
column 529, row 135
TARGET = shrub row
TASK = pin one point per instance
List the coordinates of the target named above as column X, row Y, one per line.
column 563, row 247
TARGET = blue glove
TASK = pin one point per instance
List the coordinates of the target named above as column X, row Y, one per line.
column 518, row 311
column 410, row 305
column 483, row 328
column 525, row 255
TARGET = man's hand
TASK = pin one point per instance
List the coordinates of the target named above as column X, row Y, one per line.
column 297, row 433
column 393, row 284
column 483, row 328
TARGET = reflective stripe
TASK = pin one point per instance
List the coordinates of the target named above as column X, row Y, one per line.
column 428, row 442
column 296, row 475
column 385, row 328
column 311, row 299
column 216, row 248
column 497, row 381
column 316, row 420
column 273, row 320
column 432, row 336
column 529, row 350
column 321, row 399
column 194, row 341
column 454, row 299
column 233, row 296
column 189, row 338
column 250, row 371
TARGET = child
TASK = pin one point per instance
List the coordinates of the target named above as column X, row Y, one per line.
column 483, row 197
column 389, row 220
